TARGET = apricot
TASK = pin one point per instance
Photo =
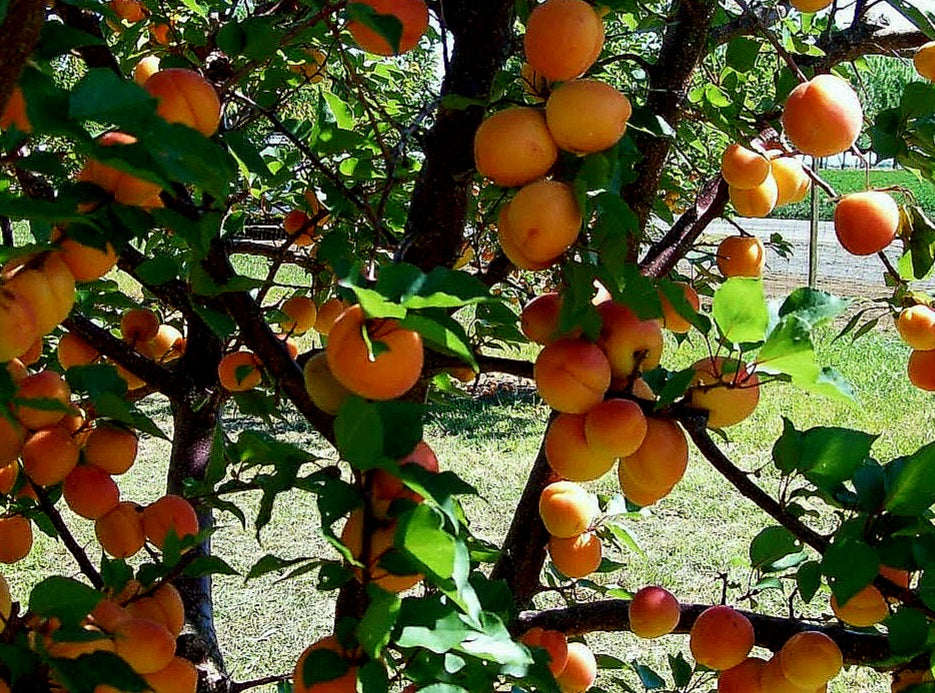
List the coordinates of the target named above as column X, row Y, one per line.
column 12, row 437
column 743, row 168
column 90, row 492
column 17, row 371
column 107, row 614
column 34, row 288
column 15, row 538
column 111, row 448
column 512, row 246
column 15, row 112
column 921, row 369
column 326, row 391
column 395, row 365
column 297, row 223
column 568, row 452
column 313, row 69
column 864, row 609
column 792, row 182
column 45, row 385
column 18, row 328
column 412, row 14
column 572, row 375
column 635, row 489
column 539, row 318
column 743, row 678
column 916, row 327
column 145, row 68
column 552, row 641
column 72, row 649
column 169, row 513
column 514, row 147
column 631, row 344
column 239, row 371
column 810, row 5
column 86, row 262
column 543, row 220
column 576, row 557
column 73, row 351
column 173, row 608
column 866, row 222
column 139, row 325
column 721, row 638
column 8, row 474
column 387, row 487
column 120, row 532
column 661, row 460
column 160, row 33
column 908, row 679
column 773, row 680
column 897, row 576
column 615, row 427
column 126, row 189
column 302, row 313
column 180, row 676
column 328, row 313
column 587, row 116
column 168, row 344
column 563, row 39
column 566, row 509
column 654, row 612
column 49, row 455
column 741, row 256
column 728, row 389
column 381, row 541
column 580, row 669
column 6, row 602
column 672, row 320
column 923, row 60
column 810, row 659
column 143, row 644
column 755, row 202
column 823, row 117
column 186, row 97
column 345, row 683
column 130, row 10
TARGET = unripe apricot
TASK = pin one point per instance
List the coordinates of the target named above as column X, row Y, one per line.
column 326, row 391
column 126, row 189
column 661, row 460
column 73, row 351
column 728, row 389
column 566, row 509
column 916, row 327
column 139, row 325
column 923, row 60
column 511, row 244
column 615, row 427
column 145, row 68
column 539, row 319
column 49, row 455
column 864, row 609
column 514, row 147
column 239, row 371
column 552, row 641
column 414, row 16
column 866, row 222
column 169, row 513
column 563, row 39
column 810, row 659
column 743, row 678
column 180, row 676
column 792, row 182
column 823, row 117
column 381, row 541
column 345, row 683
column 394, row 368
column 111, row 448
column 90, row 492
column 6, row 602
column 672, row 320
column 145, row 645
column 120, row 532
column 743, row 168
column 86, row 262
column 387, row 488
column 576, row 557
column 302, row 313
column 15, row 538
column 755, row 202
column 328, row 313
column 572, row 375
column 543, row 220
column 741, row 256
column 12, row 437
column 186, row 97
column 15, row 112
column 654, row 612
column 631, row 344
column 568, row 452
column 586, row 116
column 921, row 369
column 580, row 669
column 721, row 638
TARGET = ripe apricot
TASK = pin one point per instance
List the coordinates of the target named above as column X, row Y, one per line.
column 586, row 116
column 672, row 320
column 773, row 680
column 654, row 612
column 721, row 638
column 539, row 318
column 728, row 389
column 755, row 202
column 792, row 182
column 42, row 386
column 34, row 288
column 514, row 147
column 413, row 14
column 345, row 683
column 542, row 221
column 631, row 344
column 921, row 369
column 126, row 189
column 145, row 68
column 328, row 313
column 916, row 327
column 563, row 39
column 661, row 460
column 392, row 370
column 73, row 351
column 741, row 256
column 299, row 224
column 580, row 669
column 169, row 513
column 186, row 97
column 49, row 455
column 130, row 10
column 615, row 427
column 866, row 222
column 18, row 327
column 17, row 370
column 635, row 489
column 743, row 678
column 552, row 641
column 897, row 576
column 143, row 644
column 90, row 492
column 12, row 437
column 9, row 472
column 239, row 371
column 823, row 117
column 568, row 452
column 111, row 448
column 923, row 60
column 120, row 532
column 864, row 609
column 572, row 375
column 86, row 262
column 139, row 325
column 743, row 168
column 173, row 608
column 381, row 541
column 168, row 344
column 810, row 659
column 107, row 614
column 6, row 602
column 576, row 557
column 387, row 488
column 512, row 246
column 326, row 391
column 15, row 538
column 566, row 509
column 180, row 676
column 810, row 5
column 15, row 112
column 302, row 313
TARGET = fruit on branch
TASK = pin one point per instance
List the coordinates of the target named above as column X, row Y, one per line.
column 580, row 669
column 381, row 541
column 111, row 448
column 412, row 14
column 18, row 328
column 810, row 5
column 326, row 391
column 170, row 513
column 741, row 256
column 49, row 455
column 301, row 312
column 743, row 678
column 653, row 612
column 239, row 371
column 129, row 10
column 143, row 644
column 566, row 509
column 299, row 224
column 540, row 317
column 792, row 181
column 578, row 556
column 44, row 385
column 145, row 68
column 586, row 116
column 33, row 353
column 923, row 60
column 160, row 32
column 721, row 638
column 572, row 375
column 50, row 302
column 126, row 189
column 773, row 680
column 810, row 659
column 823, row 117
column 755, row 202
column 12, row 437
column 615, row 427
column 164, row 606
column 15, row 538
column 672, row 320
column 387, row 487
column 72, row 649
column 657, row 465
column 108, row 612
column 120, row 532
column 17, row 371
column 542, row 221
column 139, row 325
column 86, row 262
column 328, row 313
column 8, row 473
column 15, row 112
column 631, row 344
column 168, row 344
column 73, row 351
column 864, row 609
column 866, row 222
column 921, row 369
column 186, row 97
column 552, row 641
column 180, row 676
column 916, row 327
column 743, row 168
column 345, row 683
column 568, row 452
column 727, row 388
column 390, row 370
column 514, row 147
column 563, row 39
column 897, row 576
column 90, row 491
column 512, row 246
column 313, row 68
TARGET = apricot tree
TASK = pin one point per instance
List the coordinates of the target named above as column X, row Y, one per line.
column 424, row 167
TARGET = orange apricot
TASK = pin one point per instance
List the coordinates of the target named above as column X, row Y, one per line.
column 578, row 556
column 823, row 117
column 728, row 389
column 107, row 614
column 921, row 369
column 721, row 638
column 866, row 222
column 326, row 391
column 743, row 678
column 126, row 189
column 908, row 679
column 654, row 612
column 90, row 491
column 572, row 375
column 143, row 644
column 145, row 68
column 539, row 318
column 168, row 344
column 73, row 351
column 49, row 455
column 587, row 116
column 568, row 452
column 864, row 609
column 741, row 256
column 34, row 288
column 345, row 683
column 615, row 427
column 412, row 14
column 328, row 313
column 299, row 224
column 743, row 168
column 661, row 460
column 810, row 5
column 381, row 541
column 18, row 328
column 15, row 112
column 512, row 247
column 755, row 202
column 179, row 676
column 12, row 437
column 543, row 220
column 580, row 669
column 563, row 39
column 72, row 649
column 139, row 325
column 173, row 608
column 566, row 509
column 45, row 385
column 773, row 680
column 111, row 448
column 9, row 472
column 395, row 365
column 169, row 513
column 897, row 576
column 552, row 641
column 86, row 262
column 514, row 147
column 130, row 10
column 631, row 344
column 120, row 532
column 792, row 182
column 636, row 490
column 672, row 320
column 923, row 60
column 810, row 659
column 15, row 538
column 239, row 371
column 17, row 370
column 186, row 97
column 302, row 313
column 387, row 488
column 916, row 327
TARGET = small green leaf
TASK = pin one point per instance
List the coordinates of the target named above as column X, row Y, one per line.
column 849, row 565
column 808, row 580
column 420, row 533
column 359, row 432
column 771, row 544
column 907, row 631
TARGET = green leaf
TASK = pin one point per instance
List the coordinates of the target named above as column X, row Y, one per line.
column 420, row 533
column 86, row 673
column 811, row 306
column 159, row 270
column 102, row 95
column 443, row 334
column 849, row 565
column 66, row 599
column 927, row 587
column 808, row 580
column 907, row 631
column 376, row 625
column 58, row 39
column 827, row 456
column 742, row 53
column 681, row 670
column 740, row 310
column 648, row 677
column 911, row 482
column 208, row 565
column 322, row 665
column 921, row 245
column 359, row 432
column 771, row 544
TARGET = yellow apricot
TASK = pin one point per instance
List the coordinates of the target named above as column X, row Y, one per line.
column 566, row 509
column 578, row 556
column 563, row 39
column 743, row 168
column 572, row 375
column 514, row 147
column 587, row 116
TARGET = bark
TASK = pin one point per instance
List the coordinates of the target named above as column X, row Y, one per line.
column 19, row 34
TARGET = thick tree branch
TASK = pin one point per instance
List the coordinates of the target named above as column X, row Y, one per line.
column 19, row 34
column 858, row 40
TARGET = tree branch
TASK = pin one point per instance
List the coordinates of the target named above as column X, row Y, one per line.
column 19, row 34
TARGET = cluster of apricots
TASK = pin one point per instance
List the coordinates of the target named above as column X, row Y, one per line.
column 572, row 663
column 916, row 327
column 301, row 224
column 758, row 182
column 133, row 11
column 413, row 15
